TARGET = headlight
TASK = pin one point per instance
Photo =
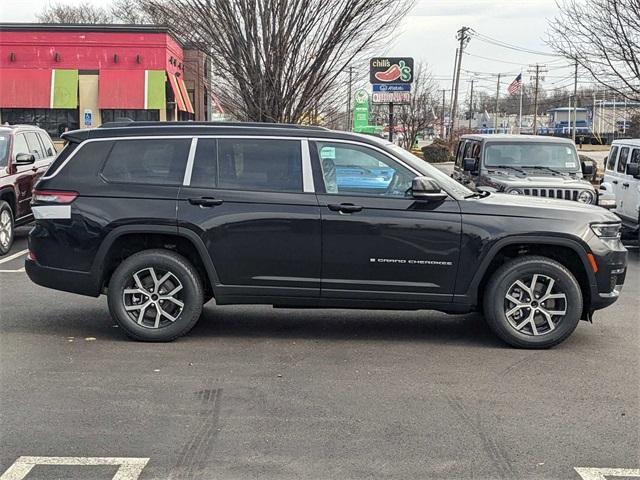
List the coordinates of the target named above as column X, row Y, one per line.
column 586, row 196
column 609, row 233
column 515, row 191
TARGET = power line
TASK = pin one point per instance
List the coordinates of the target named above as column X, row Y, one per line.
column 503, row 44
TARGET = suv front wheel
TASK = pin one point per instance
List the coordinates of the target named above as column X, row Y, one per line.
column 155, row 296
column 533, row 302
column 6, row 227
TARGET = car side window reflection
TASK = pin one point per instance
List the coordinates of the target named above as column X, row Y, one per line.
column 611, row 161
column 353, row 169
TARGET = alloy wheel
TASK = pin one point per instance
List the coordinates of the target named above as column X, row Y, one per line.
column 153, row 298
column 535, row 305
column 6, row 229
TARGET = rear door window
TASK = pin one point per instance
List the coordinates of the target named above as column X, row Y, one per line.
column 154, row 161
column 19, row 145
column 49, row 149
column 635, row 156
column 259, row 164
column 622, row 161
column 205, row 164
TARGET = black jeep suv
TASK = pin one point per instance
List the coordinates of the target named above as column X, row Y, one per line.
column 164, row 217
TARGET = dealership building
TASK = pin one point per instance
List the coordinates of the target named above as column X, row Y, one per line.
column 63, row 77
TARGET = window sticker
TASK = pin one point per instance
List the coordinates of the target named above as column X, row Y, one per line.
column 570, row 164
column 328, row 153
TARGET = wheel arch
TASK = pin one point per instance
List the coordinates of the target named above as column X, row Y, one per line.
column 568, row 252
column 125, row 240
column 9, row 195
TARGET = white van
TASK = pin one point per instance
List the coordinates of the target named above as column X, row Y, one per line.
column 622, row 182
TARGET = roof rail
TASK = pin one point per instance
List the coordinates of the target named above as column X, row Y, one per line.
column 127, row 122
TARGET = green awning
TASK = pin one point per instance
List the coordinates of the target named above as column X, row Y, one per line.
column 64, row 89
column 155, row 98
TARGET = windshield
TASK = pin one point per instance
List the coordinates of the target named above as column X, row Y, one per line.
column 4, row 149
column 446, row 182
column 557, row 156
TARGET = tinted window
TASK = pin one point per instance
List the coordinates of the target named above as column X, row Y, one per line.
column 62, row 156
column 459, row 153
column 635, row 156
column 205, row 165
column 153, row 161
column 86, row 162
column 611, row 162
column 353, row 169
column 49, row 149
column 622, row 161
column 256, row 164
column 4, row 149
column 34, row 145
column 19, row 145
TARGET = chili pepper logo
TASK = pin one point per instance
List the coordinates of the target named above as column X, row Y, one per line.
column 394, row 72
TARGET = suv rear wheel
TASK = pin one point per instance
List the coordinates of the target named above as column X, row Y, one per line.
column 6, row 227
column 155, row 295
column 533, row 302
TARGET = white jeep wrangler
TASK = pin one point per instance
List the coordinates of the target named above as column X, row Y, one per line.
column 620, row 189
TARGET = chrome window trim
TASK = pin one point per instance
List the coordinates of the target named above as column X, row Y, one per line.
column 189, row 168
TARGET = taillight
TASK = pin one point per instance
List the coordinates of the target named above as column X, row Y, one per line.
column 54, row 197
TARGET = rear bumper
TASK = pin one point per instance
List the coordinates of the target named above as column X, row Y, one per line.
column 66, row 280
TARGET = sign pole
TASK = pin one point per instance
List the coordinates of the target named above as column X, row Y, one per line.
column 391, row 121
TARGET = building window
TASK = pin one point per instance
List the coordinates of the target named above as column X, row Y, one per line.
column 135, row 115
column 54, row 120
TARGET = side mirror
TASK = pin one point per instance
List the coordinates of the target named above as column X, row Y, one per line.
column 25, row 159
column 469, row 164
column 633, row 169
column 426, row 188
column 587, row 168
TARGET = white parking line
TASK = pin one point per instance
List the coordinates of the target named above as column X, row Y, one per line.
column 130, row 468
column 602, row 473
column 15, row 255
column 19, row 270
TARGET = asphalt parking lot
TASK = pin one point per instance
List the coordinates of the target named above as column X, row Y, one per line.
column 259, row 393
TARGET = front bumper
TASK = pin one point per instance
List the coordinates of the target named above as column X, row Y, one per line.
column 609, row 279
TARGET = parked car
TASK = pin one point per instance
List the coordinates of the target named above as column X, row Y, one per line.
column 163, row 217
column 524, row 165
column 25, row 154
column 621, row 184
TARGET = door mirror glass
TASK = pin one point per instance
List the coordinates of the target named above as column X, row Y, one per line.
column 426, row 188
column 633, row 169
column 469, row 164
column 25, row 159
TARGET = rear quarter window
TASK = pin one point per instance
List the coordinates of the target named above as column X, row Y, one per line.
column 84, row 163
column 611, row 160
column 153, row 161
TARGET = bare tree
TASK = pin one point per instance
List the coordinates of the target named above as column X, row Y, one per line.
column 277, row 60
column 419, row 113
column 603, row 36
column 62, row 13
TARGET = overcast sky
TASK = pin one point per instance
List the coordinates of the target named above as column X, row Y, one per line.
column 428, row 33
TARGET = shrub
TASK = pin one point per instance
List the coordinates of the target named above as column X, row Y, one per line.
column 435, row 153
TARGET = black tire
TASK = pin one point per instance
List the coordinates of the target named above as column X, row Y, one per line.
column 162, row 262
column 6, row 228
column 548, row 334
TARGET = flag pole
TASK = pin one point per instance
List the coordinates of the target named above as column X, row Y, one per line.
column 520, row 114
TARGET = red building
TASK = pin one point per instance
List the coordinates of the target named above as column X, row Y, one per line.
column 77, row 76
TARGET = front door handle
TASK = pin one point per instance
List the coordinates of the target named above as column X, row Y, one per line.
column 206, row 201
column 615, row 182
column 344, row 207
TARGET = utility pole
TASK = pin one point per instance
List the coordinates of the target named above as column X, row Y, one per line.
column 442, row 130
column 495, row 124
column 453, row 85
column 536, row 70
column 471, row 105
column 348, row 123
column 575, row 103
column 463, row 37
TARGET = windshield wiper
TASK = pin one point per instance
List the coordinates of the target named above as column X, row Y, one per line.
column 478, row 194
column 538, row 167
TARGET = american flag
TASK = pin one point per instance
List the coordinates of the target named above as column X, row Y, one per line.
column 514, row 87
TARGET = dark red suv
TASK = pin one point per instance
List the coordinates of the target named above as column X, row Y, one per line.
column 25, row 154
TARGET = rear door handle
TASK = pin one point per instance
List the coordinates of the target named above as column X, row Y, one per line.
column 344, row 207
column 206, row 201
column 615, row 182
column 625, row 184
